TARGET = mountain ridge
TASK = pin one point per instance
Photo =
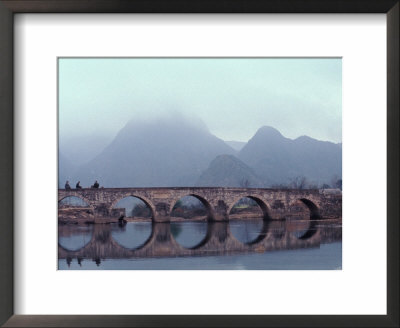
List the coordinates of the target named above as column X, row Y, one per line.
column 175, row 152
column 277, row 159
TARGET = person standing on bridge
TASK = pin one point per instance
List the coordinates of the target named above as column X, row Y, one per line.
column 78, row 186
column 96, row 184
column 67, row 186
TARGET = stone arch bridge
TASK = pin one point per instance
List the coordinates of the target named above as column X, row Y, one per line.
column 275, row 203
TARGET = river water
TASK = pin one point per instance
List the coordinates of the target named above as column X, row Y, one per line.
column 251, row 244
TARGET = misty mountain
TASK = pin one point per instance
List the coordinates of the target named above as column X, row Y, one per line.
column 168, row 152
column 237, row 145
column 228, row 171
column 82, row 149
column 277, row 159
column 176, row 152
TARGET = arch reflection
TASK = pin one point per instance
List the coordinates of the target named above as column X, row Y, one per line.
column 74, row 237
column 106, row 242
column 132, row 235
column 248, row 231
column 189, row 234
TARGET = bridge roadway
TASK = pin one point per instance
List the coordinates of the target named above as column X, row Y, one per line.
column 275, row 203
column 275, row 235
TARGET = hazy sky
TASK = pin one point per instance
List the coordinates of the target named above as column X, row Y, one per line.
column 233, row 97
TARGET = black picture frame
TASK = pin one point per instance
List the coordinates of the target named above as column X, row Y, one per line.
column 10, row 7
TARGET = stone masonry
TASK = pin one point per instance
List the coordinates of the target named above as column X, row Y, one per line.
column 275, row 203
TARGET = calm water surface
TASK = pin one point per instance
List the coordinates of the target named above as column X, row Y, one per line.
column 240, row 244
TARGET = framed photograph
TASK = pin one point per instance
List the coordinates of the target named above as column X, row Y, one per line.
column 202, row 163
column 193, row 188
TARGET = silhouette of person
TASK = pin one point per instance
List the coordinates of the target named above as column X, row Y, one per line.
column 96, row 184
column 78, row 186
column 67, row 186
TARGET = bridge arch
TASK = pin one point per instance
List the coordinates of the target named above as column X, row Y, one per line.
column 260, row 202
column 204, row 201
column 87, row 201
column 143, row 199
column 311, row 205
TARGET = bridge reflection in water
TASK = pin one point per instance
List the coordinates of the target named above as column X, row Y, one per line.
column 159, row 240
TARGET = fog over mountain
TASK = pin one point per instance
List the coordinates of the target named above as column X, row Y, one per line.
column 277, row 159
column 177, row 152
column 165, row 152
column 81, row 149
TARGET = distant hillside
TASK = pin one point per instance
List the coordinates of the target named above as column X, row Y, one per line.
column 168, row 152
column 228, row 171
column 237, row 145
column 277, row 159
